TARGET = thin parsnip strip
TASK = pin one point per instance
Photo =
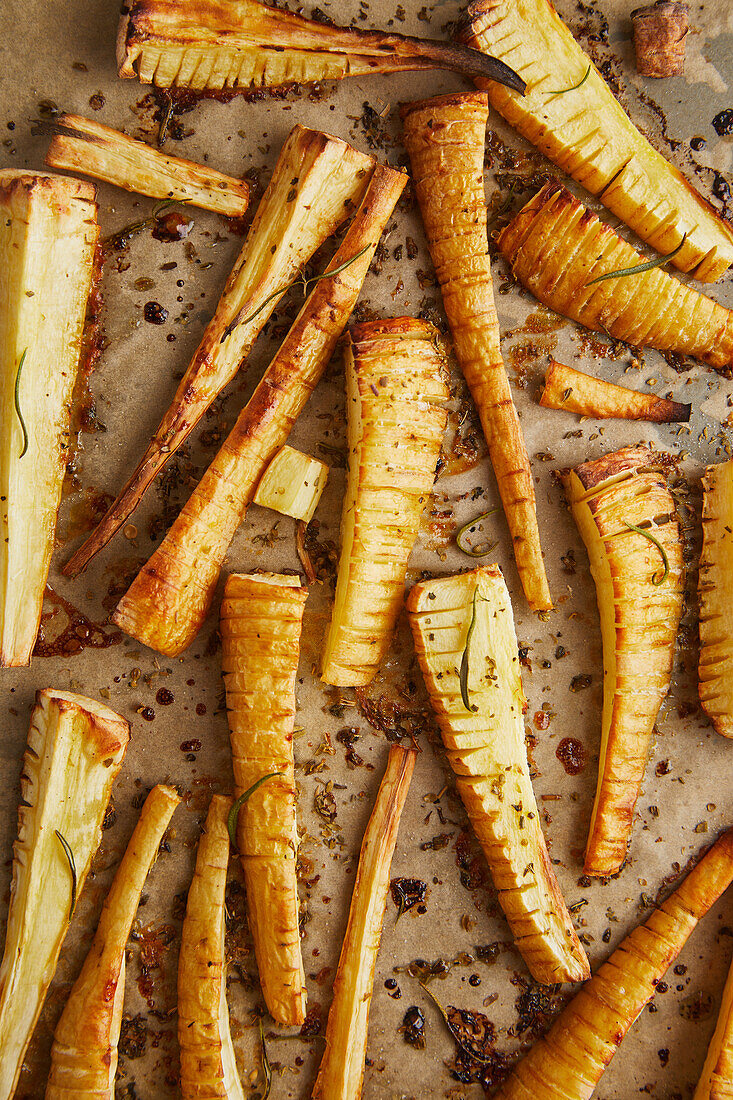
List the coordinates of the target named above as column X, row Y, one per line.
column 84, row 1051
column 445, row 138
column 715, row 590
column 261, row 618
column 570, row 1060
column 82, row 145
column 573, row 391
column 341, row 1072
column 317, row 182
column 169, row 599
column 716, row 1079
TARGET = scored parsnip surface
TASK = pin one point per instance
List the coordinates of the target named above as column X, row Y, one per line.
column 569, row 1061
column 715, row 590
column 716, row 1078
column 571, row 115
column 75, row 751
column 467, row 649
column 84, row 1051
column 396, row 417
column 317, row 182
column 445, row 138
column 47, row 245
column 639, row 579
column 574, row 391
column 556, row 248
column 168, row 600
column 261, row 617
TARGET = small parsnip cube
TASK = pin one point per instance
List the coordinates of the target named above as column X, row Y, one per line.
column 292, row 484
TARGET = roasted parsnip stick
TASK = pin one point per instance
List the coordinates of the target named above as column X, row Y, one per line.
column 75, row 751
column 84, row 1051
column 341, row 1073
column 317, row 182
column 208, row 1065
column 587, row 133
column 292, row 484
column 716, row 1079
column 715, row 588
column 569, row 1061
column 467, row 649
column 81, row 145
column 261, row 617
column 395, row 397
column 170, row 597
column 243, row 44
column 557, row 248
column 627, row 519
column 47, row 243
column 573, row 391
column 445, row 138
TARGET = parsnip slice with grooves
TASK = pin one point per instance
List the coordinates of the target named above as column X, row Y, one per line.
column 75, row 751
column 467, row 649
column 556, row 248
column 317, row 182
column 261, row 617
column 84, row 1051
column 716, row 1079
column 395, row 398
column 445, row 138
column 715, row 588
column 587, row 133
column 573, row 391
column 168, row 600
column 292, row 484
column 341, row 1073
column 208, row 1064
column 82, row 145
column 570, row 1060
column 47, row 244
column 640, row 604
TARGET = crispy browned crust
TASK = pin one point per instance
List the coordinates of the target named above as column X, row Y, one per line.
column 61, row 190
column 596, row 471
column 573, row 391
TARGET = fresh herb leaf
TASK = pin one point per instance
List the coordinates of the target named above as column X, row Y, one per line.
column 233, row 816
column 656, row 578
column 17, row 404
column 483, row 548
column 72, row 867
column 562, row 91
column 266, row 1067
column 465, row 659
column 638, row 268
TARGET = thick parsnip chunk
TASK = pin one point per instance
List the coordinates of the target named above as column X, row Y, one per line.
column 467, row 649
column 292, row 484
column 261, row 617
column 716, row 1079
column 75, row 751
column 47, row 243
column 715, row 588
column 395, row 398
column 627, row 519
column 573, row 391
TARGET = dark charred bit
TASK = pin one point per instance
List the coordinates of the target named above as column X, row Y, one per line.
column 537, row 1005
column 660, row 31
column 413, row 1027
column 471, row 864
column 723, row 123
column 348, row 736
column 407, row 893
column 133, row 1037
column 487, row 953
column 77, row 634
column 571, row 754
column 155, row 314
column 313, row 1023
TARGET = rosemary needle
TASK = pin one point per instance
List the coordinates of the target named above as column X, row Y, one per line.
column 562, row 91
column 468, row 529
column 463, row 675
column 656, row 579
column 266, row 1068
column 72, row 867
column 233, row 816
column 649, row 265
column 17, row 404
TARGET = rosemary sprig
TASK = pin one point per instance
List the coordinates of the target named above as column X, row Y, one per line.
column 72, row 867
column 656, row 578
column 638, row 268
column 17, row 404
column 162, row 207
column 562, row 91
column 233, row 815
column 463, row 674
column 266, row 1067
column 471, row 1051
column 468, row 529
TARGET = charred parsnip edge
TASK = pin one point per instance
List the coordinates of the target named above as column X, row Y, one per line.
column 715, row 589
column 292, row 484
column 573, row 391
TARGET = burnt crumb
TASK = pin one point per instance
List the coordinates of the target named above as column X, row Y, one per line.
column 663, row 1057
column 413, row 1027
column 487, row 953
column 536, row 1006
column 154, row 313
column 133, row 1036
column 581, row 682
column 476, row 1059
column 663, row 768
column 571, row 754
column 374, row 127
column 698, row 143
column 471, row 866
column 390, row 717
column 348, row 737
column 436, row 843
column 722, row 123
column 110, row 816
column 407, row 893
column 312, row 1024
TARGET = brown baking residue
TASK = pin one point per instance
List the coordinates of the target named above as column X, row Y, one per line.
column 571, row 755
column 528, row 353
column 79, row 632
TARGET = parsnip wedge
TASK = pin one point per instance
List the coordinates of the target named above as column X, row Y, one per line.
column 579, row 267
column 84, row 1051
column 81, row 145
column 208, row 1065
column 716, row 1079
column 626, row 516
column 292, row 484
column 715, row 589
column 47, row 244
column 445, row 138
column 261, row 617
column 169, row 599
column 317, row 182
column 395, row 407
column 570, row 1060
column 75, row 751
column 341, row 1072
column 573, row 391
column 572, row 116
column 467, row 649
column 242, row 44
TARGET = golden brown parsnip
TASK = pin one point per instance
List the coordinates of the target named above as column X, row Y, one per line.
column 569, row 1061
column 317, row 182
column 75, row 751
column 292, row 484
column 573, row 391
column 639, row 579
column 170, row 597
column 445, row 138
column 716, row 1079
column 341, row 1072
column 84, row 1051
column 557, row 247
column 261, row 617
column 715, row 589
column 587, row 133
column 47, row 243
